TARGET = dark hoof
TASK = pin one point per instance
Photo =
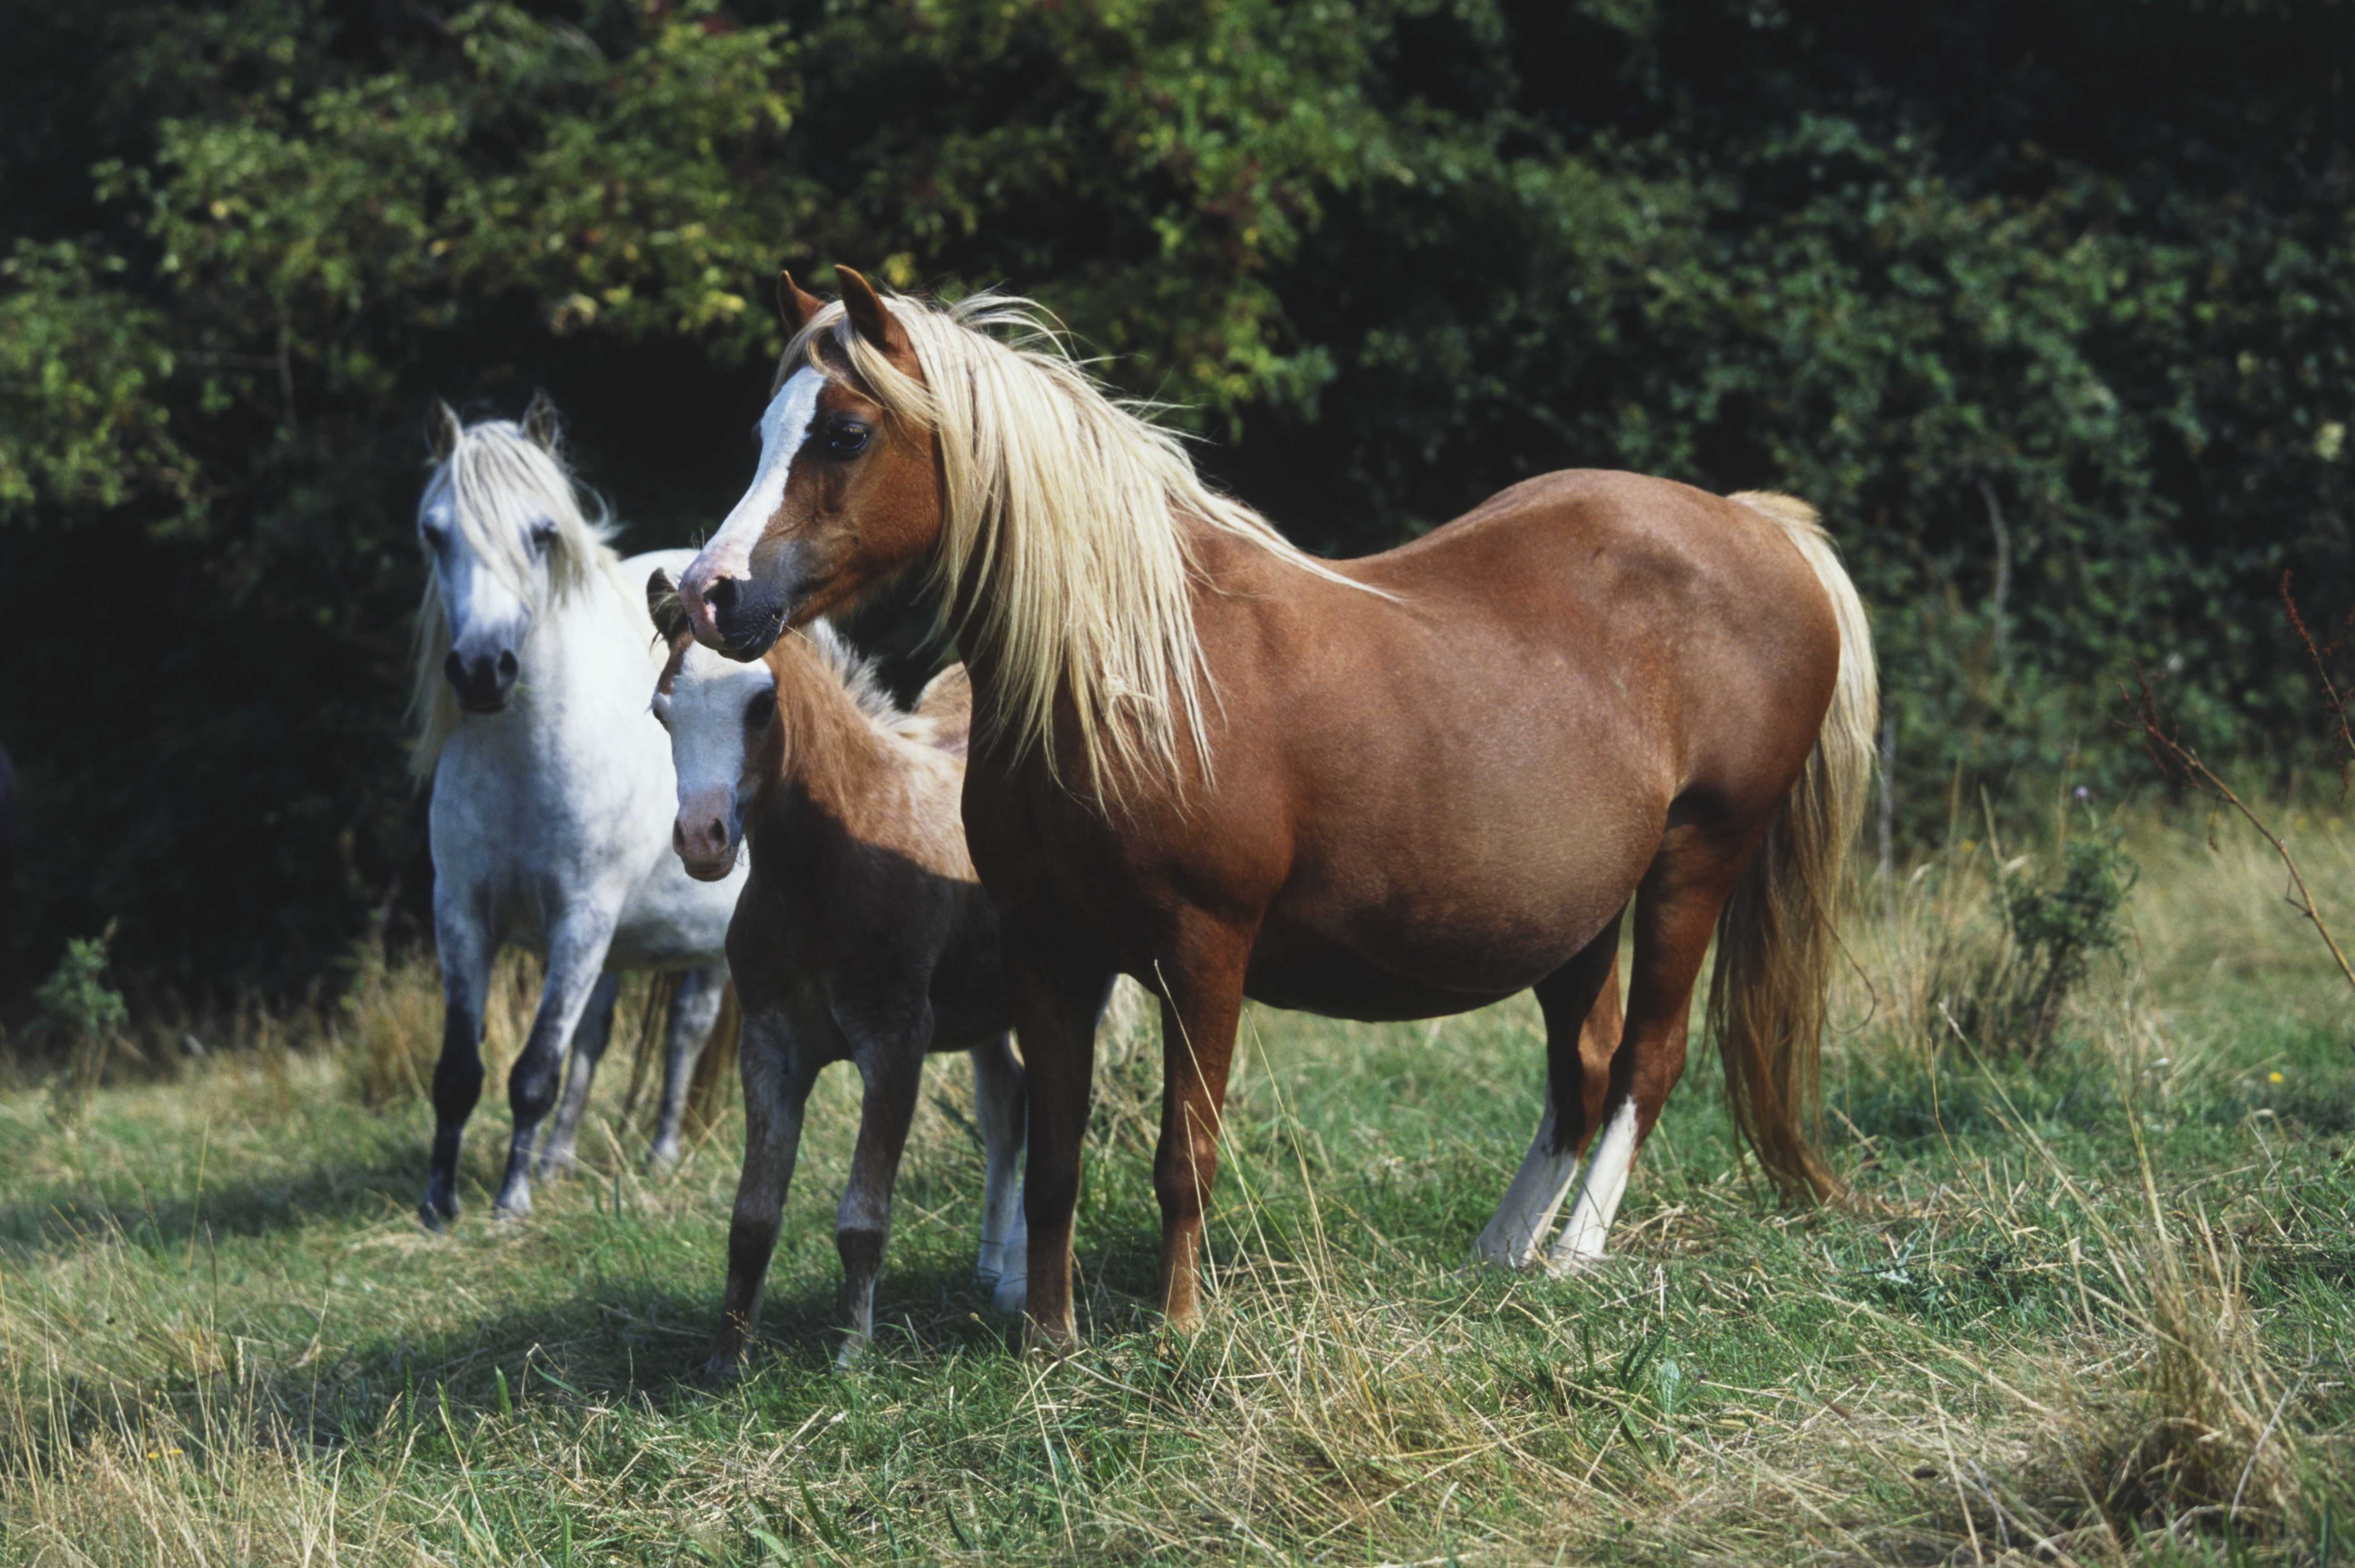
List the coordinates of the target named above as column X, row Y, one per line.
column 437, row 1210
column 720, row 1370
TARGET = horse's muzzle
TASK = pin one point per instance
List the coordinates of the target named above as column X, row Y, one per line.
column 745, row 618
column 706, row 842
column 481, row 680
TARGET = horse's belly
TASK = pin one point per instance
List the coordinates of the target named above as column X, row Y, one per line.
column 1394, row 962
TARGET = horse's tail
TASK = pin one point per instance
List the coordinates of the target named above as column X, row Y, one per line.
column 1775, row 938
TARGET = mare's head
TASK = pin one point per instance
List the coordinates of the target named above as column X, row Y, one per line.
column 505, row 538
column 966, row 437
column 846, row 493
column 718, row 713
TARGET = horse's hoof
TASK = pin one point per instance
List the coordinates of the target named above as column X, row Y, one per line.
column 437, row 1208
column 1576, row 1266
column 1487, row 1254
column 663, row 1156
column 1011, row 1295
column 721, row 1368
column 556, row 1162
column 853, row 1352
column 512, row 1207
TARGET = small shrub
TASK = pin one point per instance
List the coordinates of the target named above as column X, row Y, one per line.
column 78, row 1010
column 2005, row 982
column 2059, row 928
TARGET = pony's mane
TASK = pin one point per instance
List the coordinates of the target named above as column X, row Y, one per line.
column 501, row 483
column 1062, row 513
column 856, row 671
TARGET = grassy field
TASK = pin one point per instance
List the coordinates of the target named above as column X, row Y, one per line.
column 2092, row 1309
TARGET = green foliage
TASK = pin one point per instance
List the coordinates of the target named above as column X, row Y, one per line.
column 2051, row 310
column 75, row 1002
column 77, row 1011
column 2060, row 926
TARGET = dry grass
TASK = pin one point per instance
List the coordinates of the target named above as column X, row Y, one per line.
column 2091, row 1310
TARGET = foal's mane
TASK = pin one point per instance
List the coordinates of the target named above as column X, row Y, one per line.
column 1062, row 513
column 502, row 482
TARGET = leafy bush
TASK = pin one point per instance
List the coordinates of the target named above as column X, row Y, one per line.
column 78, row 1013
column 2051, row 310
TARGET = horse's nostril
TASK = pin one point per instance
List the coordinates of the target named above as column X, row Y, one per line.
column 678, row 836
column 721, row 594
column 506, row 666
column 454, row 667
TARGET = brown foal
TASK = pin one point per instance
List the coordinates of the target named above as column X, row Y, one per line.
column 1391, row 788
column 861, row 934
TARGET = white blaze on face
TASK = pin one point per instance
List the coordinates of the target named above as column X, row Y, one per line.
column 729, row 553
column 707, row 712
column 482, row 609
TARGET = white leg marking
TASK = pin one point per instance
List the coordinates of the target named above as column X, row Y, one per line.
column 1581, row 1241
column 999, row 1107
column 1013, row 1292
column 1515, row 1238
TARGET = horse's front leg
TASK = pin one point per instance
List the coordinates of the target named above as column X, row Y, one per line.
column 1055, row 1009
column 889, row 1043
column 692, row 1013
column 1201, row 987
column 589, row 1042
column 464, row 940
column 576, row 961
column 777, row 1072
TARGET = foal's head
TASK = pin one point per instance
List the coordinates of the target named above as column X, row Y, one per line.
column 504, row 534
column 718, row 713
column 738, row 728
column 844, row 495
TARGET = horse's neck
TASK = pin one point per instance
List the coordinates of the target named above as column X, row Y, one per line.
column 582, row 660
column 833, row 753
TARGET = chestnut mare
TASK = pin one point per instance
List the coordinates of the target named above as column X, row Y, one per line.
column 1391, row 788
column 861, row 934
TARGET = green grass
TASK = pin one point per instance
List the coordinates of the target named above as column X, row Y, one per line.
column 224, row 1339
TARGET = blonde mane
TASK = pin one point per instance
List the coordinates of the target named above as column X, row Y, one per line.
column 501, row 485
column 1061, row 514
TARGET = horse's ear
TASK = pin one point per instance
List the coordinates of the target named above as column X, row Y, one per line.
column 440, row 430
column 662, row 603
column 541, row 421
column 795, row 304
column 867, row 312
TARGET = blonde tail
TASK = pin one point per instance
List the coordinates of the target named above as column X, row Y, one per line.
column 1777, row 937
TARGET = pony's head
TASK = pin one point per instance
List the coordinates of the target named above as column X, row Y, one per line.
column 732, row 725
column 717, row 713
column 504, row 537
column 966, row 437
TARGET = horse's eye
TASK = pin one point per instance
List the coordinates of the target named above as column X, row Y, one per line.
column 434, row 536
column 844, row 438
column 757, row 712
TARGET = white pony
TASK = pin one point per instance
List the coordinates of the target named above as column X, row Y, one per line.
column 553, row 795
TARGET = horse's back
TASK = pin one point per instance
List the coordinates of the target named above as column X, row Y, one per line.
column 1444, row 793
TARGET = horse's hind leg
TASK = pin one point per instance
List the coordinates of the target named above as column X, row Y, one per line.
column 589, row 1042
column 575, row 966
column 1676, row 910
column 1580, row 1002
column 465, row 947
column 693, row 1011
column 999, row 1105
